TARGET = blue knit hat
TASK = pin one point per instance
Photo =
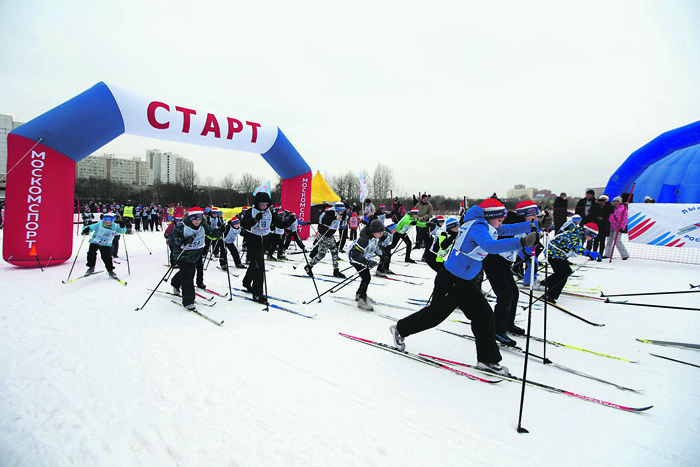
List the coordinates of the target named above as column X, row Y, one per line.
column 451, row 223
column 339, row 206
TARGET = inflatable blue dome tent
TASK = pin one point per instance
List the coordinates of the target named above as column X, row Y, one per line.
column 666, row 169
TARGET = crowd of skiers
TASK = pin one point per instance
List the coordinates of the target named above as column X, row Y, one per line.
column 484, row 241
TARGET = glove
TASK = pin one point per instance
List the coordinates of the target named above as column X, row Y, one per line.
column 188, row 240
column 371, row 264
column 413, row 222
column 258, row 216
column 546, row 221
column 527, row 251
column 529, row 239
column 121, row 224
column 86, row 231
column 592, row 254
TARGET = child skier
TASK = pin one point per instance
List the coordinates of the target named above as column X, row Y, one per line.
column 103, row 233
column 566, row 245
column 233, row 229
column 187, row 243
column 361, row 255
column 326, row 230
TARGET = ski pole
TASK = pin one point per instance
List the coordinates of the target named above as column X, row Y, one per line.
column 161, row 281
column 647, row 293
column 334, row 288
column 76, row 258
column 228, row 275
column 126, row 252
column 262, row 246
column 144, row 243
column 313, row 279
column 521, row 429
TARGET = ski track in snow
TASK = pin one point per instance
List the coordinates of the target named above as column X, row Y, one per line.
column 86, row 380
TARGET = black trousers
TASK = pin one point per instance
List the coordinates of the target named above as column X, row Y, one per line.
column 555, row 283
column 234, row 253
column 105, row 254
column 497, row 270
column 254, row 276
column 184, row 278
column 449, row 293
column 365, row 278
column 288, row 240
column 407, row 241
column 431, row 258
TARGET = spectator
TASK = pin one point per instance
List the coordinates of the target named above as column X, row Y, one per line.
column 618, row 224
column 560, row 213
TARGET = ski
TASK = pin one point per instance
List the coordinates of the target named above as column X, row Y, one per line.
column 408, row 275
column 82, row 277
column 212, row 292
column 227, row 270
column 568, row 294
column 350, row 304
column 559, row 344
column 288, row 310
column 201, row 315
column 545, row 386
column 316, row 276
column 670, row 343
column 546, row 361
column 390, row 305
column 176, row 295
column 111, row 276
column 419, row 358
column 268, row 296
column 674, row 360
column 401, row 280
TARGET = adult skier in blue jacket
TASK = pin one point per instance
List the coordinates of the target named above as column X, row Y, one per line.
column 455, row 285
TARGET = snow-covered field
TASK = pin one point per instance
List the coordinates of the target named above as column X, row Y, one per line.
column 86, row 380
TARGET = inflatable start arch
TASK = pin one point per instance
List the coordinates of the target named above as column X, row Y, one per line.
column 42, row 155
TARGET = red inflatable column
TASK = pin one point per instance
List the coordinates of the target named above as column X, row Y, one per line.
column 296, row 197
column 38, row 204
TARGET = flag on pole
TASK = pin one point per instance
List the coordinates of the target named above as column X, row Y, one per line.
column 364, row 190
column 264, row 187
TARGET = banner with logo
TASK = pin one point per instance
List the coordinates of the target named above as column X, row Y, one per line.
column 662, row 224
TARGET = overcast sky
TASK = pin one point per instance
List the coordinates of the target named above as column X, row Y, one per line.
column 458, row 97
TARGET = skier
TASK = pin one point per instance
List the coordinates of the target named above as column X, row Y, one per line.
column 402, row 229
column 566, row 245
column 293, row 232
column 103, row 233
column 361, row 254
column 442, row 244
column 455, row 285
column 256, row 223
column 385, row 250
column 326, row 229
column 230, row 235
column 187, row 243
column 497, row 268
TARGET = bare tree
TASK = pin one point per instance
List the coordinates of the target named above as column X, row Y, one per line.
column 382, row 182
column 347, row 185
column 227, row 183
column 189, row 180
column 248, row 184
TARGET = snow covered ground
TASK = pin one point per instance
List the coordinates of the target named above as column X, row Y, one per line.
column 87, row 380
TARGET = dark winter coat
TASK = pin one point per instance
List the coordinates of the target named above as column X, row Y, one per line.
column 560, row 212
column 178, row 237
column 600, row 214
